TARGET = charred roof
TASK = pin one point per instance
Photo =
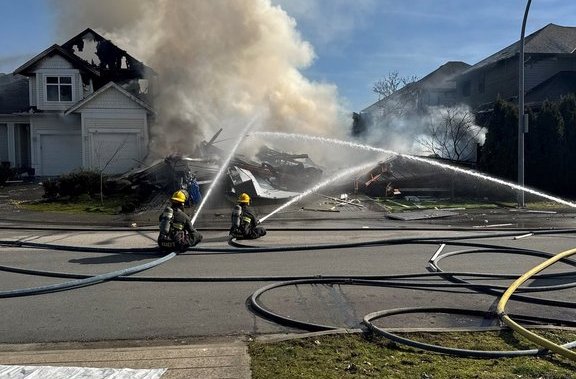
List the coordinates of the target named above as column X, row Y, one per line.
column 103, row 55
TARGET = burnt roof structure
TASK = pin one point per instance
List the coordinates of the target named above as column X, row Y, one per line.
column 110, row 61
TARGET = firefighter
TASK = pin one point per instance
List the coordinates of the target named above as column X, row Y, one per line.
column 245, row 224
column 176, row 230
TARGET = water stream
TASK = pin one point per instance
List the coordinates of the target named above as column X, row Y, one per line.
column 341, row 174
column 224, row 166
column 413, row 158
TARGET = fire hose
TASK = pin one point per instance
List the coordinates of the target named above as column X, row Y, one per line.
column 380, row 280
column 501, row 309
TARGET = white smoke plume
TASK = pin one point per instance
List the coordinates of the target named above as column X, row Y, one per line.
column 219, row 62
column 435, row 131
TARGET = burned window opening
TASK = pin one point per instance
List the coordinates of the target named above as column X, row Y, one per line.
column 112, row 63
column 105, row 56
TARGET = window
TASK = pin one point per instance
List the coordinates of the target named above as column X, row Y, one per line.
column 59, row 88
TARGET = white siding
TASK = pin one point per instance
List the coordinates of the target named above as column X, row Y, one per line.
column 54, row 62
column 33, row 91
column 110, row 99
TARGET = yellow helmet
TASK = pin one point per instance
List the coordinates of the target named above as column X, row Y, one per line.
column 244, row 198
column 178, row 197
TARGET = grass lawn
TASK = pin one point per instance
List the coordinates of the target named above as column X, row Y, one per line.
column 365, row 356
column 83, row 204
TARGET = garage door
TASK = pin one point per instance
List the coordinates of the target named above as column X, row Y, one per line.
column 115, row 153
column 60, row 153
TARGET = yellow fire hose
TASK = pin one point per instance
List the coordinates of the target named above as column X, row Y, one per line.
column 523, row 331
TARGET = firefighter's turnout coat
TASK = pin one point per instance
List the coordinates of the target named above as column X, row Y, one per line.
column 245, row 223
column 176, row 230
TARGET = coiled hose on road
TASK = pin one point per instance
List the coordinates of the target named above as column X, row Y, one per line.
column 385, row 281
column 562, row 350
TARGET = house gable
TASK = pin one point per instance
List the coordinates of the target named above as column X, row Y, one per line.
column 115, row 129
column 56, row 80
column 53, row 62
column 108, row 98
column 31, row 66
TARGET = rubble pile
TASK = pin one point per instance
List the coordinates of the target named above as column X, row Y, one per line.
column 273, row 175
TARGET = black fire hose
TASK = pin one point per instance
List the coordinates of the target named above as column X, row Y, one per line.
column 450, row 350
column 86, row 281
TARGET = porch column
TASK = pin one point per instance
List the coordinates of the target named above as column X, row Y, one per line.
column 11, row 144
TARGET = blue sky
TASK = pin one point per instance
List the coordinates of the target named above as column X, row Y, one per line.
column 356, row 42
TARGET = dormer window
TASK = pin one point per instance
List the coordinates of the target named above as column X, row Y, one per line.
column 59, row 88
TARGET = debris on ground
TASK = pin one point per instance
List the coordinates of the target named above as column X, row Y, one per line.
column 421, row 215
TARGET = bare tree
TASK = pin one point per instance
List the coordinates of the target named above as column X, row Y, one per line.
column 102, row 166
column 391, row 83
column 453, row 135
column 397, row 96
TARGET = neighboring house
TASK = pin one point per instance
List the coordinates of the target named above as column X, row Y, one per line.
column 549, row 57
column 436, row 88
column 80, row 105
column 550, row 72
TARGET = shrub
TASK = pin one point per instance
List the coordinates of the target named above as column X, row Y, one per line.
column 51, row 188
column 5, row 174
column 73, row 185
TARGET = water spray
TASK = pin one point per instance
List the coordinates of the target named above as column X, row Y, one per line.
column 318, row 186
column 417, row 159
column 224, row 166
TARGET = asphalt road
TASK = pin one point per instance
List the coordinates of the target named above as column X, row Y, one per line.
column 130, row 310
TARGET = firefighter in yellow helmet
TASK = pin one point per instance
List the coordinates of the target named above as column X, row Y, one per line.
column 176, row 230
column 245, row 224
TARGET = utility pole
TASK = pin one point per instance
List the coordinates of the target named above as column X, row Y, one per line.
column 522, row 119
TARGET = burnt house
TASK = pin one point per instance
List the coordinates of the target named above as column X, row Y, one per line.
column 84, row 104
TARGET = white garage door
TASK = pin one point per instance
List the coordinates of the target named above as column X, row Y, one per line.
column 115, row 153
column 60, row 153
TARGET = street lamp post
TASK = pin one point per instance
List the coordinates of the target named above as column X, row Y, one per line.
column 522, row 119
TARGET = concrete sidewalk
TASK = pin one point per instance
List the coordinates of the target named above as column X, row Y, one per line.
column 210, row 360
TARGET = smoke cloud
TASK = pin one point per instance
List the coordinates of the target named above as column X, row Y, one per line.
column 449, row 132
column 218, row 62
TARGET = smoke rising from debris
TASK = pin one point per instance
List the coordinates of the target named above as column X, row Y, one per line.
column 218, row 62
column 449, row 132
